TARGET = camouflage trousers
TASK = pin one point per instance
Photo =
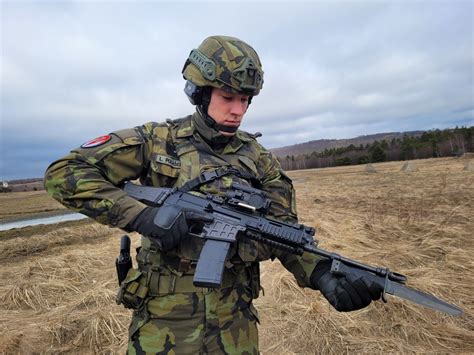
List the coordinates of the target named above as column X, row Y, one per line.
column 209, row 322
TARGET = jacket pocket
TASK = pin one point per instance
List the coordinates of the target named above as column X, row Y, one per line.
column 133, row 290
column 159, row 166
column 164, row 170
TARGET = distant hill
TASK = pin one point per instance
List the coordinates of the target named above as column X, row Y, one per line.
column 322, row 144
column 32, row 184
column 25, row 181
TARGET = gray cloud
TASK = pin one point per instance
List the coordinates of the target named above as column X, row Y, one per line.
column 74, row 70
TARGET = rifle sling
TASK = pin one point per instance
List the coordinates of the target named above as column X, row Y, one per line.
column 209, row 176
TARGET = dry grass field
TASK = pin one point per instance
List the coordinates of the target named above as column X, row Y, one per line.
column 58, row 284
column 27, row 204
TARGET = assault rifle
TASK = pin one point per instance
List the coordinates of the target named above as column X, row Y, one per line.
column 241, row 213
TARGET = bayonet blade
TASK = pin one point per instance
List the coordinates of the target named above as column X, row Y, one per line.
column 421, row 298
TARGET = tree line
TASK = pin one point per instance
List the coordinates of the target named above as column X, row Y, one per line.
column 434, row 143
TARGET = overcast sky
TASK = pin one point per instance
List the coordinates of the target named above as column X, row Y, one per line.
column 71, row 71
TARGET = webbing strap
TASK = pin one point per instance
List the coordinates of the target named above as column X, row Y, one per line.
column 169, row 283
column 212, row 175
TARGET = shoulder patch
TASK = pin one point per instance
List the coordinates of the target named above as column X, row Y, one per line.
column 97, row 141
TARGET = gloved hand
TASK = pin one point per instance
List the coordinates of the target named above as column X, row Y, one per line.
column 344, row 293
column 167, row 225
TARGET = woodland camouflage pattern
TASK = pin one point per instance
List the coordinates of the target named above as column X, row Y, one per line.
column 237, row 66
column 213, row 322
column 173, row 315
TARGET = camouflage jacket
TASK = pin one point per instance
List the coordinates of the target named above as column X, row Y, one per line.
column 166, row 155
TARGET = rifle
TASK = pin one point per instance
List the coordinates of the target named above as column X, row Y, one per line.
column 242, row 213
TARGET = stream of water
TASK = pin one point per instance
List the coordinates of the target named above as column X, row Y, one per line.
column 41, row 220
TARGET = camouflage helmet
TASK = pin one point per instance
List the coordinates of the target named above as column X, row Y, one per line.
column 225, row 63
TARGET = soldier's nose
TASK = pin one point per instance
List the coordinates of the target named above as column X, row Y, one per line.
column 237, row 108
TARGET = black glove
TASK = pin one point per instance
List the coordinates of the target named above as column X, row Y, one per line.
column 167, row 225
column 345, row 293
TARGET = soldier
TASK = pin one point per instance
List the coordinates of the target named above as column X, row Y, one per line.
column 171, row 315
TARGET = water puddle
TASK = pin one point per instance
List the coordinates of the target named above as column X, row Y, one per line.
column 41, row 220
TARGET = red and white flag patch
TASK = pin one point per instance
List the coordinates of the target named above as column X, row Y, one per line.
column 97, row 141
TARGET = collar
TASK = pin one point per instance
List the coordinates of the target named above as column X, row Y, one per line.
column 187, row 128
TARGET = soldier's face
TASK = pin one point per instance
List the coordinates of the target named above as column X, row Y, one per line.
column 227, row 109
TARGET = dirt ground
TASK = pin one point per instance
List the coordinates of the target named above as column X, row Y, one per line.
column 59, row 284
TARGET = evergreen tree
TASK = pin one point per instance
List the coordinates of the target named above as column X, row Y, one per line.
column 377, row 153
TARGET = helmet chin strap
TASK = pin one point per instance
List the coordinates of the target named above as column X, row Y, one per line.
column 213, row 124
column 219, row 127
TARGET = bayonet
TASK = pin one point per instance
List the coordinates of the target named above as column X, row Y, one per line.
column 392, row 284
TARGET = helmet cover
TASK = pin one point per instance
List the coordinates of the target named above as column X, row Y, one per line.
column 225, row 63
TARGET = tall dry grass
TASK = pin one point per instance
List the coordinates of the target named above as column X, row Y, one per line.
column 58, row 289
column 420, row 224
column 58, row 293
